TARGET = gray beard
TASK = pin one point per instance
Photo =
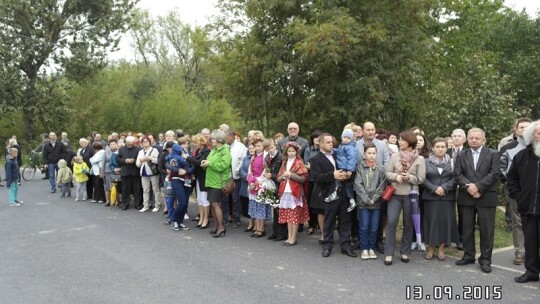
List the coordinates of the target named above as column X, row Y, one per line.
column 536, row 147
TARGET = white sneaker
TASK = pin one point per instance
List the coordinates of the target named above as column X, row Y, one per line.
column 174, row 226
column 422, row 247
column 76, row 199
column 156, row 209
column 186, row 216
column 19, row 202
column 413, row 246
column 372, row 254
column 183, row 227
column 144, row 209
column 364, row 255
column 14, row 204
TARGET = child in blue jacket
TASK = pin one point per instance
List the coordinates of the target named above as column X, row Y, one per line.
column 12, row 177
column 347, row 156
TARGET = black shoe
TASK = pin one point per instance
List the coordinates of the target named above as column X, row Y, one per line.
column 387, row 263
column 485, row 268
column 222, row 233
column 213, row 231
column 107, row 204
column 321, row 242
column 405, row 259
column 272, row 237
column 525, row 278
column 459, row 246
column 326, row 252
column 348, row 252
column 204, row 227
column 280, row 238
column 123, row 207
column 249, row 229
column 196, row 219
column 464, row 262
column 168, row 223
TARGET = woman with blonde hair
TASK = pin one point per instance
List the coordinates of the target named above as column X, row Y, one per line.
column 200, row 153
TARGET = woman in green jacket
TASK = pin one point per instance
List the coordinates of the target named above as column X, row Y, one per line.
column 218, row 173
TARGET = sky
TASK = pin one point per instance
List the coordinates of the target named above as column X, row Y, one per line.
column 196, row 12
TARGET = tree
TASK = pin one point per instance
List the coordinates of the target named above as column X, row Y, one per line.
column 43, row 38
column 347, row 60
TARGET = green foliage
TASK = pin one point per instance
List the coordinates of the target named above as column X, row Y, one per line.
column 435, row 63
column 43, row 37
column 133, row 98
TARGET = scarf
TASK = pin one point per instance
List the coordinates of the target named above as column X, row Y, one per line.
column 370, row 164
column 438, row 162
column 406, row 159
column 297, row 168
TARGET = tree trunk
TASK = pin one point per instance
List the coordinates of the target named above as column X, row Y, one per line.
column 29, row 105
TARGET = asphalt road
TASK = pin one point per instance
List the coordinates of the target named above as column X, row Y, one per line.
column 56, row 250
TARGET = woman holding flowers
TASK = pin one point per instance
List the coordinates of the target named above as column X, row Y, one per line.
column 292, row 177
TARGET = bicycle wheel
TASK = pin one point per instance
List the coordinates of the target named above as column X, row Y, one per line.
column 28, row 173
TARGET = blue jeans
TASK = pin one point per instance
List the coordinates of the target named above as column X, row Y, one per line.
column 368, row 224
column 169, row 202
column 13, row 192
column 52, row 168
column 182, row 194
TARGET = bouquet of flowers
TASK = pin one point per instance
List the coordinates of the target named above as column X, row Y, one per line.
column 267, row 192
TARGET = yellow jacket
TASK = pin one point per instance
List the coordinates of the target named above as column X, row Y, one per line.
column 80, row 176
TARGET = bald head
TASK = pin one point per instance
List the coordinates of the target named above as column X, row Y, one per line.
column 293, row 129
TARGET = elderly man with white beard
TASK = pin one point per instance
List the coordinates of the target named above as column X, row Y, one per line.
column 523, row 180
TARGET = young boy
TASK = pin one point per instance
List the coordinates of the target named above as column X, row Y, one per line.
column 12, row 177
column 272, row 163
column 347, row 157
column 64, row 178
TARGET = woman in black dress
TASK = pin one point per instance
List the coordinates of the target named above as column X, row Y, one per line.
column 440, row 227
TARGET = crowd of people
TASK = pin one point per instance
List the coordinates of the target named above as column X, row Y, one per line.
column 444, row 190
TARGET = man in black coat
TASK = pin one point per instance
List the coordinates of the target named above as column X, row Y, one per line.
column 476, row 171
column 131, row 178
column 523, row 181
column 53, row 151
column 325, row 174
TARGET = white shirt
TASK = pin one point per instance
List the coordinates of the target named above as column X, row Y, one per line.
column 238, row 152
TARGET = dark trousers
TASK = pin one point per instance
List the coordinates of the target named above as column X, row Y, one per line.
column 244, row 201
column 313, row 214
column 332, row 210
column 132, row 185
column 486, row 224
column 531, row 231
column 280, row 230
column 99, row 190
column 354, row 223
column 90, row 186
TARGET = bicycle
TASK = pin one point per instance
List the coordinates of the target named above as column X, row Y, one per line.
column 36, row 163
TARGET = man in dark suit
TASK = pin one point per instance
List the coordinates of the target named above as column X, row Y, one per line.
column 325, row 174
column 131, row 178
column 477, row 171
